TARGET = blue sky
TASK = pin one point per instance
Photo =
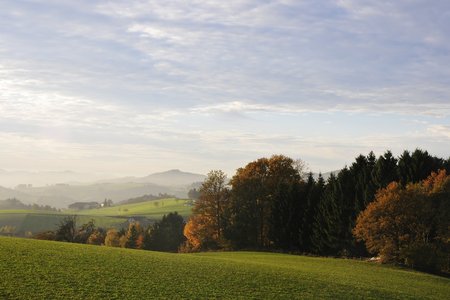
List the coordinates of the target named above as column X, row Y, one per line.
column 134, row 87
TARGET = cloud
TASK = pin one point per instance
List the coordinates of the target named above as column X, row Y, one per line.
column 442, row 131
column 222, row 82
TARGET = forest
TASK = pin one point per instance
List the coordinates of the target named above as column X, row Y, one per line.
column 397, row 208
column 394, row 209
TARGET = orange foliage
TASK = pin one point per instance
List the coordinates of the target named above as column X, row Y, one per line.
column 199, row 233
column 402, row 220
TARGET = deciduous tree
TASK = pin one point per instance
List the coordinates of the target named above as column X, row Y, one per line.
column 403, row 222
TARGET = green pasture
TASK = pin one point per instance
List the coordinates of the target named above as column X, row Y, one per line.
column 35, row 221
column 33, row 269
column 29, row 221
column 154, row 209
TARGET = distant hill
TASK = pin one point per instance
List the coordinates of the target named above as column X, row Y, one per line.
column 12, row 203
column 173, row 178
column 6, row 193
column 145, row 198
column 63, row 195
column 172, row 182
column 169, row 178
column 14, row 178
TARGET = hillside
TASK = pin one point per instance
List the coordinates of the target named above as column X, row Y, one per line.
column 173, row 182
column 168, row 178
column 37, row 221
column 42, row 269
column 153, row 209
column 173, row 177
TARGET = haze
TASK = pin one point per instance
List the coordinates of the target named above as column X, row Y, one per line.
column 135, row 87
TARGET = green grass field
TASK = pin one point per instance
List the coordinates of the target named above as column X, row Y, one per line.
column 154, row 209
column 35, row 221
column 33, row 269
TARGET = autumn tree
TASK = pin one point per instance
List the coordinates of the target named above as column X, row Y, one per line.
column 209, row 212
column 97, row 237
column 265, row 207
column 84, row 232
column 197, row 234
column 410, row 225
column 132, row 235
column 112, row 238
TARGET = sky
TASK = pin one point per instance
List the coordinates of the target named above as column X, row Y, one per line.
column 136, row 87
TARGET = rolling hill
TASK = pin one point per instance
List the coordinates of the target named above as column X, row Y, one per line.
column 172, row 182
column 33, row 269
column 36, row 221
column 153, row 209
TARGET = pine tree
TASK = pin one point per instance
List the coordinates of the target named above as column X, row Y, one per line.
column 327, row 221
column 314, row 191
column 385, row 170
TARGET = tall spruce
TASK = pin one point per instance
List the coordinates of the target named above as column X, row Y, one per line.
column 385, row 170
column 327, row 220
column 313, row 191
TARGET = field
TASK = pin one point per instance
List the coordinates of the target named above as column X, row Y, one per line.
column 35, row 221
column 154, row 209
column 34, row 269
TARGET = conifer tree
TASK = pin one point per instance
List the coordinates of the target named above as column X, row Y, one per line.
column 314, row 191
column 327, row 220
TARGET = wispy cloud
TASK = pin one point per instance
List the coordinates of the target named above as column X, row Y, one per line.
column 224, row 81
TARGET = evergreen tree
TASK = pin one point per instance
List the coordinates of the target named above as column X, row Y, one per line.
column 167, row 234
column 285, row 221
column 326, row 225
column 132, row 235
column 385, row 170
column 314, row 191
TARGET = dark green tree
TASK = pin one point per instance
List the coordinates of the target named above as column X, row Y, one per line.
column 385, row 170
column 132, row 235
column 327, row 220
column 167, row 234
column 67, row 229
column 313, row 191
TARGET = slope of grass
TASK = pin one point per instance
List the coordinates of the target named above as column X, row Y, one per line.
column 154, row 209
column 27, row 211
column 49, row 270
column 35, row 221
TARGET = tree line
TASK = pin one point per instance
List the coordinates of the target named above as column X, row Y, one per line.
column 271, row 204
column 13, row 203
column 164, row 235
column 394, row 207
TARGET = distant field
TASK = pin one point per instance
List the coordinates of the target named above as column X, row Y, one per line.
column 34, row 269
column 154, row 209
column 35, row 221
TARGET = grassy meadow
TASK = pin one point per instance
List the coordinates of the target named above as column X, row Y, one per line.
column 33, row 269
column 35, row 221
column 154, row 209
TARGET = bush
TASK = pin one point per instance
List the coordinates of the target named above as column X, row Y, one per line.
column 46, row 235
